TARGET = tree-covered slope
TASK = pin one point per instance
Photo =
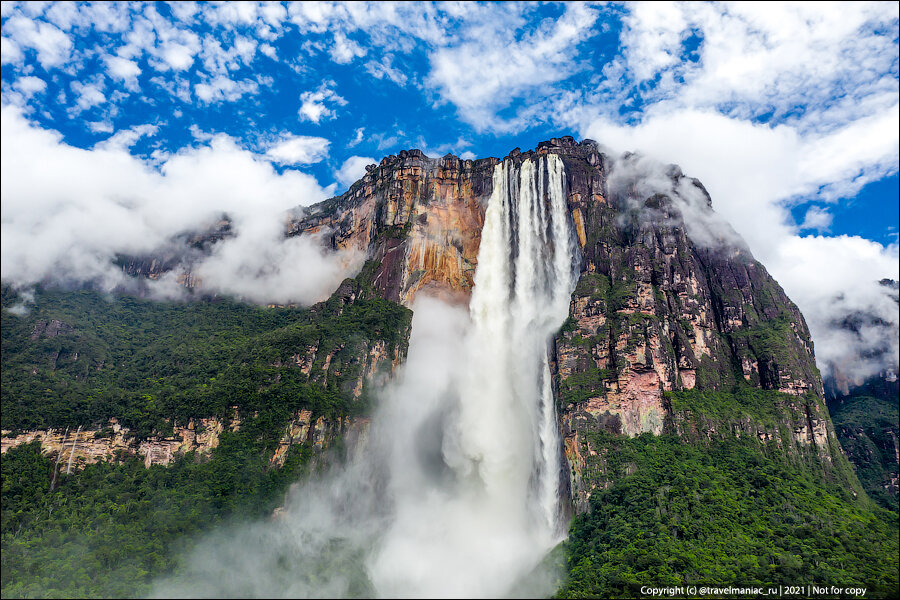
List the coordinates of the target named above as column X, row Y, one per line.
column 729, row 513
column 867, row 426
column 110, row 528
column 80, row 358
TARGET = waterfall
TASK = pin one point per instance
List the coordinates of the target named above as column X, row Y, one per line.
column 526, row 274
column 455, row 494
column 493, row 512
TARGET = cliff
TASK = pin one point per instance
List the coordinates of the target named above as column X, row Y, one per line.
column 864, row 406
column 419, row 220
column 657, row 312
column 670, row 306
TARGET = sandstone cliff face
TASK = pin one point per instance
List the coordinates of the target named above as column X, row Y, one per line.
column 75, row 448
column 419, row 219
column 655, row 312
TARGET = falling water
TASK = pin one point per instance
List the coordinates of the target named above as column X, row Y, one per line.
column 523, row 284
column 494, row 512
column 456, row 492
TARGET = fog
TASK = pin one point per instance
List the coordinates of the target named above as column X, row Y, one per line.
column 399, row 518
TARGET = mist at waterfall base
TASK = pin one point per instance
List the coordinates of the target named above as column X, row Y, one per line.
column 455, row 491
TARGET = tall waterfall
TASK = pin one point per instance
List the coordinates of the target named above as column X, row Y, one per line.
column 494, row 511
column 521, row 297
column 456, row 492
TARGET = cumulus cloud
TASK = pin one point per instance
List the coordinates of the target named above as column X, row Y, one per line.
column 751, row 60
column 67, row 216
column 817, row 218
column 318, row 105
column 497, row 64
column 124, row 70
column 88, row 95
column 52, row 45
column 353, row 169
column 223, row 89
column 30, row 85
column 299, row 150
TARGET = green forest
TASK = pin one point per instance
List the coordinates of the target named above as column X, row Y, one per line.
column 113, row 527
column 729, row 513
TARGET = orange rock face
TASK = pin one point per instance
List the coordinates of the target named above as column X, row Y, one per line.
column 75, row 448
column 419, row 219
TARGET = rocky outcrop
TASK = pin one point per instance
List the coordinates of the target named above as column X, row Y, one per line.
column 178, row 256
column 75, row 448
column 419, row 219
column 666, row 303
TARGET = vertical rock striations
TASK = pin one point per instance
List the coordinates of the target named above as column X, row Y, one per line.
column 418, row 218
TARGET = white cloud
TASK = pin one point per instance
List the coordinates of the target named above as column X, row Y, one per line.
column 357, row 137
column 223, row 89
column 817, row 218
column 30, row 85
column 10, row 52
column 831, row 278
column 126, row 138
column 384, row 69
column 314, row 105
column 219, row 60
column 269, row 51
column 102, row 202
column 353, row 169
column 123, row 70
column 100, row 126
column 178, row 56
column 299, row 150
column 88, row 94
column 755, row 59
column 53, row 46
column 493, row 67
column 754, row 172
column 343, row 50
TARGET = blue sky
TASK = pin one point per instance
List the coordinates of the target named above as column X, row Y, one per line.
column 787, row 113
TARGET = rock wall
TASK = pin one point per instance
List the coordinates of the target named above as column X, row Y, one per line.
column 655, row 311
column 419, row 219
column 76, row 447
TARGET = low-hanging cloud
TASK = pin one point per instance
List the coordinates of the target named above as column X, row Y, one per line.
column 634, row 178
column 67, row 213
column 753, row 172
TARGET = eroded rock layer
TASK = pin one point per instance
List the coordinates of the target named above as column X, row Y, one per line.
column 419, row 219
